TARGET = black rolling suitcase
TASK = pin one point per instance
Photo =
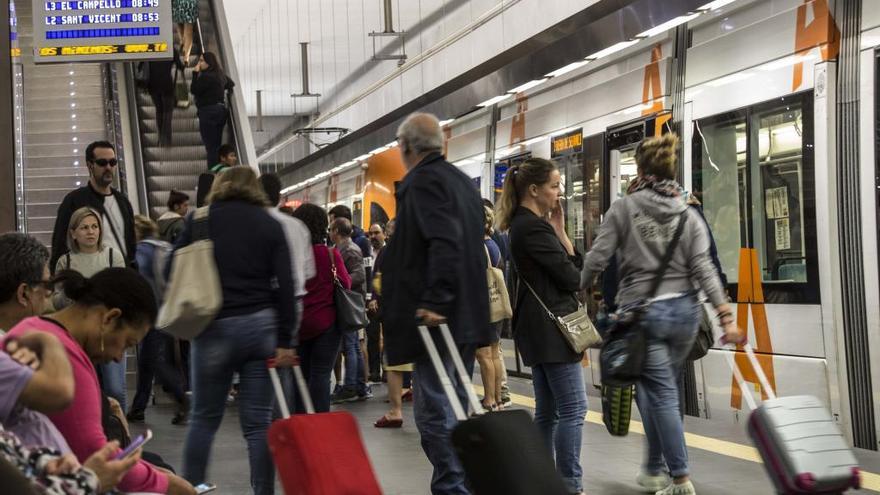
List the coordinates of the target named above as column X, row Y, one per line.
column 501, row 452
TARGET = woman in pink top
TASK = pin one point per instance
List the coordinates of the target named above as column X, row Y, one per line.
column 319, row 339
column 112, row 311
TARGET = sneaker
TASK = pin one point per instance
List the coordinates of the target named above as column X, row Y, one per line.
column 686, row 488
column 337, row 389
column 652, row 483
column 344, row 395
column 366, row 394
column 505, row 402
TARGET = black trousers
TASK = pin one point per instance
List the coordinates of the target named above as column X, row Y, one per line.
column 212, row 122
column 164, row 102
column 155, row 360
column 374, row 357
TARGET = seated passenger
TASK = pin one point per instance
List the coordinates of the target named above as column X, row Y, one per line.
column 110, row 312
column 320, row 340
column 256, row 322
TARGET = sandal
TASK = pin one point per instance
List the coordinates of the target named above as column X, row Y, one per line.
column 385, row 422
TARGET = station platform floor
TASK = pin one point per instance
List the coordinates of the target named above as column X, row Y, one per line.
column 723, row 461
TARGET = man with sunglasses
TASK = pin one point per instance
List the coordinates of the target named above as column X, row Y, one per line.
column 117, row 215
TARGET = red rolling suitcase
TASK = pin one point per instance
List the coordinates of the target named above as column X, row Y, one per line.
column 318, row 454
column 803, row 449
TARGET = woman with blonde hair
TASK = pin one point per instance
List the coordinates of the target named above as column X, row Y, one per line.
column 489, row 357
column 87, row 255
column 255, row 323
column 639, row 229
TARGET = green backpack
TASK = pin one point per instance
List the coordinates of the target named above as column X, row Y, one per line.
column 617, row 408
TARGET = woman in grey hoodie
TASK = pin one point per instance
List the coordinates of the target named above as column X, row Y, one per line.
column 638, row 229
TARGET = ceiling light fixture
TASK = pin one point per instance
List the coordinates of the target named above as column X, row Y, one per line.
column 568, row 68
column 623, row 45
column 666, row 26
column 527, row 86
column 717, row 4
column 492, row 101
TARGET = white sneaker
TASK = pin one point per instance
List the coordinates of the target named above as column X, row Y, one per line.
column 686, row 488
column 652, row 483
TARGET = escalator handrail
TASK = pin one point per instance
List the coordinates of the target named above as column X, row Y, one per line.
column 137, row 148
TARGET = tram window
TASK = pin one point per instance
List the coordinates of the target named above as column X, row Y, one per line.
column 628, row 170
column 753, row 174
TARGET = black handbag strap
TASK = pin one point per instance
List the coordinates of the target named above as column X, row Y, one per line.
column 667, row 257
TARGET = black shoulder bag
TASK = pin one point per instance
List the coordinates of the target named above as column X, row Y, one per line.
column 623, row 353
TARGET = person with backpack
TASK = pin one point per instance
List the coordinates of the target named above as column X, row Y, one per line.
column 641, row 228
column 171, row 222
column 156, row 351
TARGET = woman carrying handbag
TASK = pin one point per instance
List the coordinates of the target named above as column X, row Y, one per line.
column 662, row 247
column 548, row 274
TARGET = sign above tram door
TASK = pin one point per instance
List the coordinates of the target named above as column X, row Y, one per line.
column 102, row 30
column 567, row 144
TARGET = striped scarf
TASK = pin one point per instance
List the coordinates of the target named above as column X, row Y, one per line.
column 663, row 187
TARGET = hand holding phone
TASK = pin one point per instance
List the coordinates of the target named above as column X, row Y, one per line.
column 205, row 488
column 135, row 445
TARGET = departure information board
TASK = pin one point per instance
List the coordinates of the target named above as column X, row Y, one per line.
column 102, row 30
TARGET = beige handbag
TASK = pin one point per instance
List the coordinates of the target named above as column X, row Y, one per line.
column 499, row 299
column 193, row 295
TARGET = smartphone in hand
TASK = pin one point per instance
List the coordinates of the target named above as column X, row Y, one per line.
column 136, row 444
column 205, row 488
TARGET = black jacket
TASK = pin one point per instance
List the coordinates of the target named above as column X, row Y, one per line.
column 210, row 87
column 436, row 260
column 86, row 196
column 542, row 261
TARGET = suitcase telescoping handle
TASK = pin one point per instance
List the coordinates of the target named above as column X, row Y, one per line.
column 300, row 385
column 458, row 408
column 759, row 370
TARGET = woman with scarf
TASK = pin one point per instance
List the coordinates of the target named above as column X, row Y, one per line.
column 638, row 229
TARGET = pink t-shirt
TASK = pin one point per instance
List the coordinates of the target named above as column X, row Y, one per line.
column 81, row 422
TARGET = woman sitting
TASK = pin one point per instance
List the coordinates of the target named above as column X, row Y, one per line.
column 110, row 312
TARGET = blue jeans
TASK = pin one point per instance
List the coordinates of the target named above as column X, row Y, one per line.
column 354, row 363
column 317, row 357
column 113, row 381
column 560, row 407
column 236, row 344
column 671, row 326
column 435, row 419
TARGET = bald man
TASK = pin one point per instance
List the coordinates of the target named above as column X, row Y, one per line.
column 434, row 270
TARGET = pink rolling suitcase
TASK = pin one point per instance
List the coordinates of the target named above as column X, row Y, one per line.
column 803, row 449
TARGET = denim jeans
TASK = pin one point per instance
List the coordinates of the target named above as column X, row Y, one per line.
column 671, row 326
column 212, row 122
column 560, row 407
column 317, row 357
column 435, row 419
column 113, row 381
column 242, row 344
column 354, row 363
column 155, row 355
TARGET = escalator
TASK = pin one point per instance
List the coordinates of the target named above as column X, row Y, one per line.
column 178, row 165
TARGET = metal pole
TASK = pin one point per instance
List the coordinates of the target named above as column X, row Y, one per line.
column 259, row 110
column 7, row 126
column 304, row 50
column 389, row 17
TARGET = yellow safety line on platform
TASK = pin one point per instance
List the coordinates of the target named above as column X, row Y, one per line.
column 870, row 481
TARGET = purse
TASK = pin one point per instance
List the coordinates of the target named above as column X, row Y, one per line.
column 499, row 299
column 351, row 309
column 193, row 295
column 181, row 91
column 576, row 328
column 705, row 337
column 623, row 354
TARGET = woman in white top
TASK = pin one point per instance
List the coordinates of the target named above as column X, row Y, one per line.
column 87, row 253
column 88, row 256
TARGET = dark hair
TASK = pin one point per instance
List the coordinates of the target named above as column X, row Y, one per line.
column 122, row 288
column 315, row 219
column 342, row 226
column 340, row 211
column 176, row 198
column 238, row 183
column 90, row 149
column 517, row 181
column 657, row 156
column 226, row 149
column 272, row 186
column 22, row 261
column 214, row 65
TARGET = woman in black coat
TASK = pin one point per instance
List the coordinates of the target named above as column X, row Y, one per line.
column 209, row 86
column 546, row 260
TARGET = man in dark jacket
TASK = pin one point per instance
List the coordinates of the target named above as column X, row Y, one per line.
column 117, row 215
column 434, row 270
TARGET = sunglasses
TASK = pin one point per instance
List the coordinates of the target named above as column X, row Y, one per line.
column 103, row 162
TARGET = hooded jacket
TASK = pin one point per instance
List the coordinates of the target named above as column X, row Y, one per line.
column 170, row 226
column 638, row 229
